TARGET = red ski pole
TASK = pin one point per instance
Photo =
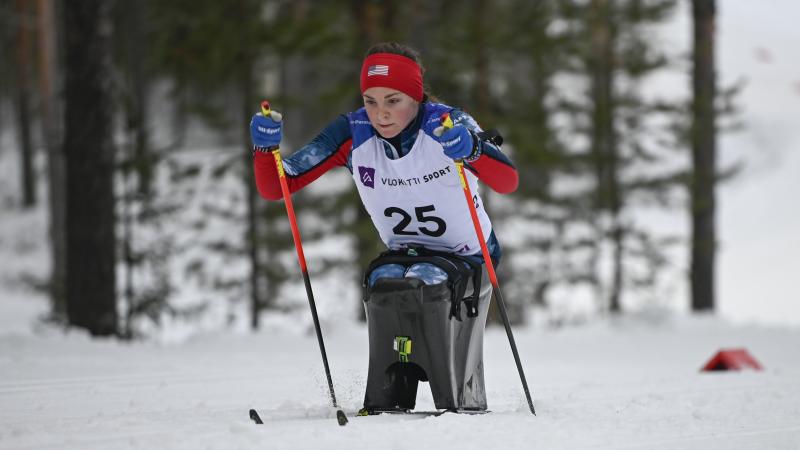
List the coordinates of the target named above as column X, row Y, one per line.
column 447, row 123
column 298, row 245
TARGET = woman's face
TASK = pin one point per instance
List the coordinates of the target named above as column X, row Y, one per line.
column 389, row 111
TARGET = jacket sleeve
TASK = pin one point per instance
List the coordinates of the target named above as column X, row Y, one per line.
column 491, row 166
column 329, row 149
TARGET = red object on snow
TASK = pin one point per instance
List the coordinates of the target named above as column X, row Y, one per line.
column 732, row 359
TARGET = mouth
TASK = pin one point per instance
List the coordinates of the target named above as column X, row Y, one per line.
column 383, row 127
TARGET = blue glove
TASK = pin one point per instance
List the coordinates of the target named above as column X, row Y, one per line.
column 458, row 142
column 265, row 132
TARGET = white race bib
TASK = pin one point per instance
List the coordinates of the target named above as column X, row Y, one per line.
column 418, row 199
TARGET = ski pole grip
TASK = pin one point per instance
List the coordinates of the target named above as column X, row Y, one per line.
column 277, row 117
column 267, row 112
column 447, row 123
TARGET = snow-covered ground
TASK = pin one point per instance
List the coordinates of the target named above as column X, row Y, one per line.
column 628, row 384
column 632, row 383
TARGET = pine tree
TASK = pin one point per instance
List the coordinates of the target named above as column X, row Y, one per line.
column 608, row 165
column 629, row 173
column 527, row 67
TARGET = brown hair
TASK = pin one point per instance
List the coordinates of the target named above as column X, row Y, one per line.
column 408, row 52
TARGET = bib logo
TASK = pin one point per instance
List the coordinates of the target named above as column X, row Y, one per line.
column 367, row 175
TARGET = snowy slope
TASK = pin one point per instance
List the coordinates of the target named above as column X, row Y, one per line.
column 632, row 383
column 628, row 384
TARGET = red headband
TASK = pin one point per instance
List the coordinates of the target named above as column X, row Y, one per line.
column 392, row 71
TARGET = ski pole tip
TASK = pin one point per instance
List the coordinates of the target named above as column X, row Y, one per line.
column 447, row 123
column 255, row 417
column 266, row 111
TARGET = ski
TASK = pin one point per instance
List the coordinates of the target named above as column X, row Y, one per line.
column 255, row 417
column 341, row 418
column 435, row 413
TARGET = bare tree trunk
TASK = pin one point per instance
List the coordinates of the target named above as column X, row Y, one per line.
column 704, row 152
column 248, row 106
column 420, row 26
column 604, row 140
column 91, row 279
column 253, row 216
column 376, row 21
column 22, row 101
column 51, row 107
column 256, row 302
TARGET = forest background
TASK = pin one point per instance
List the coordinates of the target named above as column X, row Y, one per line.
column 125, row 138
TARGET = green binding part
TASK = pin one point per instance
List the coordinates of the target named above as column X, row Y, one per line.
column 402, row 345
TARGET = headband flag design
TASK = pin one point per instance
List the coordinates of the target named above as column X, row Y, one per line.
column 392, row 71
